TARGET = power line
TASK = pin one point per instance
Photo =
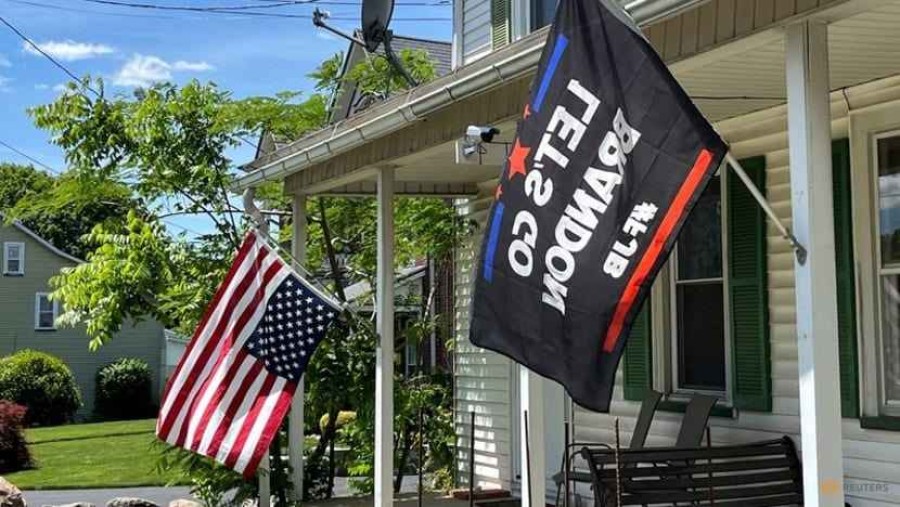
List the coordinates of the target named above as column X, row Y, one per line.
column 44, row 53
column 272, row 5
column 28, row 157
column 87, row 11
column 236, row 12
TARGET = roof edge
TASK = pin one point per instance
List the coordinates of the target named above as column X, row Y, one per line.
column 421, row 101
column 43, row 242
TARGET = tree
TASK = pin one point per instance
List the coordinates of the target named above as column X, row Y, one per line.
column 167, row 145
column 61, row 209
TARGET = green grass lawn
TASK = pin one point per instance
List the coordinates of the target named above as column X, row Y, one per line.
column 113, row 454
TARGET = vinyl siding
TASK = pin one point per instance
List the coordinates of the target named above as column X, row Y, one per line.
column 720, row 21
column 17, row 300
column 869, row 455
column 696, row 30
column 483, row 382
column 476, row 29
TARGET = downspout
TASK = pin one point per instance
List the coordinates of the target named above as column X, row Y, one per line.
column 253, row 211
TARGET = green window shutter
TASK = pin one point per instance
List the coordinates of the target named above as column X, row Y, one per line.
column 638, row 360
column 846, row 287
column 500, row 10
column 752, row 379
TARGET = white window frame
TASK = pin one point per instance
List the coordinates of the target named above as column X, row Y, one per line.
column 668, row 335
column 21, row 246
column 865, row 127
column 884, row 406
column 37, row 312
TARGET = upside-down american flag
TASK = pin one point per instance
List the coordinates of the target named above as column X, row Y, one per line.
column 234, row 383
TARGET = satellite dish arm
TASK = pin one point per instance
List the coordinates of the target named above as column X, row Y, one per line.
column 319, row 18
column 395, row 61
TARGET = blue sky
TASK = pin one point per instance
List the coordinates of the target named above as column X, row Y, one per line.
column 130, row 47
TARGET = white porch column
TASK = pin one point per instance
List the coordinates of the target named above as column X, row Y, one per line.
column 295, row 423
column 384, row 357
column 809, row 134
column 531, row 398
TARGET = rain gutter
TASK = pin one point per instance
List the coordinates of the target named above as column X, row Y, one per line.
column 318, row 148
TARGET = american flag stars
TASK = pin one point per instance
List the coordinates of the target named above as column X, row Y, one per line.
column 274, row 339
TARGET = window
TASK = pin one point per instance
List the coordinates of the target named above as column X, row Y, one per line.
column 887, row 162
column 13, row 258
column 699, row 351
column 542, row 12
column 45, row 312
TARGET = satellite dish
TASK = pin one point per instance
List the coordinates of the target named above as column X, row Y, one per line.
column 376, row 17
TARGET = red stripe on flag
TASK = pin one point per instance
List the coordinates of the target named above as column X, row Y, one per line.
column 227, row 380
column 673, row 215
column 268, row 433
column 227, row 343
column 252, row 415
column 231, row 410
column 217, row 341
column 238, row 260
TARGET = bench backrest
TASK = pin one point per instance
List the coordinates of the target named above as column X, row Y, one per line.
column 760, row 474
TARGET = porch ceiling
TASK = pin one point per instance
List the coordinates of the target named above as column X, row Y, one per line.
column 862, row 48
column 727, row 82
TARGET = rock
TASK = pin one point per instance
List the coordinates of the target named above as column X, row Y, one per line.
column 181, row 502
column 10, row 495
column 129, row 502
column 75, row 504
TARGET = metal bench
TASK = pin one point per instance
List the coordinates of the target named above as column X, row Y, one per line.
column 761, row 474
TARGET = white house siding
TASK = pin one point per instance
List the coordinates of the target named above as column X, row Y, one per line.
column 870, row 456
column 476, row 29
column 482, row 378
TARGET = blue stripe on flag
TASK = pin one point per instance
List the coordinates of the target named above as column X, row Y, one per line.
column 492, row 242
column 558, row 49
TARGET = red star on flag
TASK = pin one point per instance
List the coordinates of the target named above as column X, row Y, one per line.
column 517, row 159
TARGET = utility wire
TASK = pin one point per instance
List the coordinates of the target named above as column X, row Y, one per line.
column 28, row 157
column 44, row 53
column 85, row 11
column 272, row 5
column 233, row 12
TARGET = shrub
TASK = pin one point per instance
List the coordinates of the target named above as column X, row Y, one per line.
column 43, row 384
column 124, row 390
column 13, row 450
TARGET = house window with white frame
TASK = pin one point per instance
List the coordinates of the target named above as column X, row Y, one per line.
column 45, row 312
column 699, row 350
column 887, row 163
column 13, row 258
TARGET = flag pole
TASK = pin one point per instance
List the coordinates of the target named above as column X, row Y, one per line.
column 799, row 250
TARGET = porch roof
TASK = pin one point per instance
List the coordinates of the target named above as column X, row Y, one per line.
column 416, row 133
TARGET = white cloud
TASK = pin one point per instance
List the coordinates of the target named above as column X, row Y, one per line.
column 144, row 70
column 60, row 88
column 69, row 50
column 4, row 61
column 182, row 65
column 4, row 84
column 42, row 86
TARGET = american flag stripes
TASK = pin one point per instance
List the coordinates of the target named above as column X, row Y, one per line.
column 234, row 383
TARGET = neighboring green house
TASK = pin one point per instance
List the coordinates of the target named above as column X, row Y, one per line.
column 27, row 316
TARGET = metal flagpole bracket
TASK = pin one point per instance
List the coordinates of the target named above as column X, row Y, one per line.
column 799, row 250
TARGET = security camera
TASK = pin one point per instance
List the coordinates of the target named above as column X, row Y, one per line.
column 483, row 133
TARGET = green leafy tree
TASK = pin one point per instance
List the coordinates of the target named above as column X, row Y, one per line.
column 61, row 209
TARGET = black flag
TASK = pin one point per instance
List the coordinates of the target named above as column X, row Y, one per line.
column 610, row 157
